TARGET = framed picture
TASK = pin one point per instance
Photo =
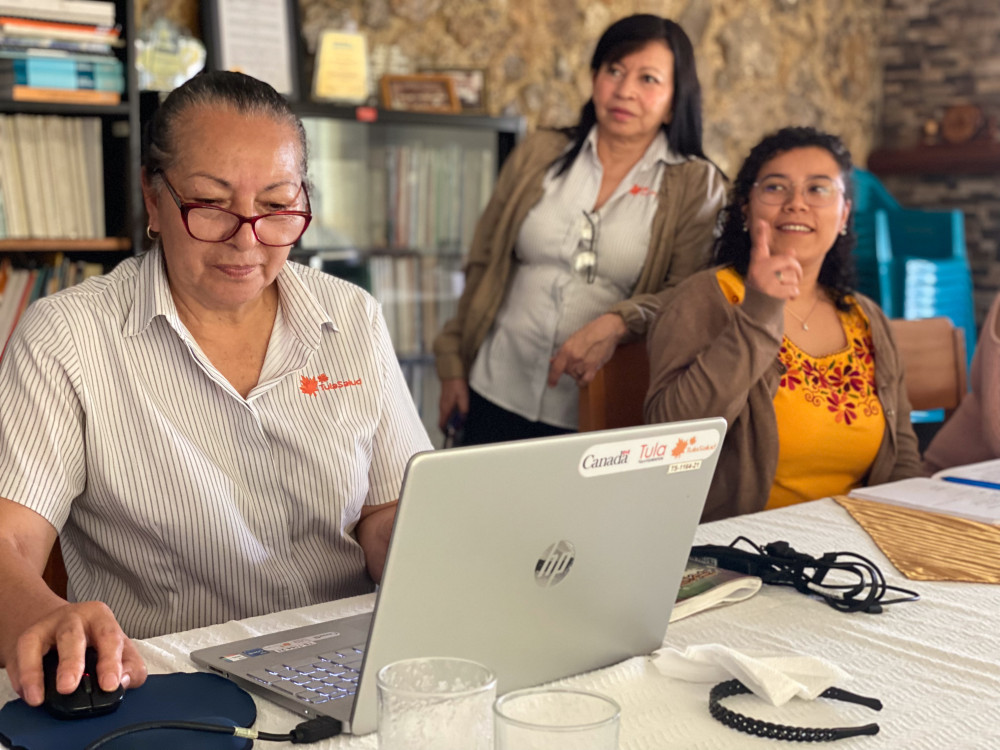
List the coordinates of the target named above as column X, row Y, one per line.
column 470, row 86
column 420, row 93
column 256, row 37
column 341, row 72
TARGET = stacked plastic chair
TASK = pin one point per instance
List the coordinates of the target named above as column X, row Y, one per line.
column 873, row 258
column 913, row 262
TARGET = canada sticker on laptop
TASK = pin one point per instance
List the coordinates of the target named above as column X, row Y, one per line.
column 679, row 452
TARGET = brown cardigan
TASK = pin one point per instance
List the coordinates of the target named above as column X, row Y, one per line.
column 709, row 357
column 691, row 194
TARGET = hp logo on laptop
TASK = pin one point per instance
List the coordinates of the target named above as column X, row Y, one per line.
column 554, row 564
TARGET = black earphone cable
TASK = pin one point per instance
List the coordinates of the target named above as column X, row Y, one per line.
column 779, row 564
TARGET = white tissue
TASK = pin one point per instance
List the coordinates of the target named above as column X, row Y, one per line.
column 777, row 678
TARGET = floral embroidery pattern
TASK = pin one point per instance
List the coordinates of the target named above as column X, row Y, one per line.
column 843, row 383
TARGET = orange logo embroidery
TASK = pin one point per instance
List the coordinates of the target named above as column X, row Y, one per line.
column 640, row 190
column 322, row 382
column 681, row 447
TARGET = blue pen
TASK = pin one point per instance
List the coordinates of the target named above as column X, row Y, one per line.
column 973, row 482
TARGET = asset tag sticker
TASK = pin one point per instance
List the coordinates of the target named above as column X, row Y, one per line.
column 685, row 466
column 280, row 648
column 685, row 451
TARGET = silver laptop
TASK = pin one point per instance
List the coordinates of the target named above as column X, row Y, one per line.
column 538, row 558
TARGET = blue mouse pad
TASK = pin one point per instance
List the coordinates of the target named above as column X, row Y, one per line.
column 182, row 696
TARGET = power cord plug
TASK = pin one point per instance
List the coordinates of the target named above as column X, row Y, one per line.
column 316, row 729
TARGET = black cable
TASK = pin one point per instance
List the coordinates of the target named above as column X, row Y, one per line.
column 313, row 730
column 778, row 564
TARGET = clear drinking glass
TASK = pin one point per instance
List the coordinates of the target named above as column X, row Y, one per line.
column 435, row 703
column 556, row 719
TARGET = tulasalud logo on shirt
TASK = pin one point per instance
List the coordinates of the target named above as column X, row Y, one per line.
column 312, row 386
column 640, row 190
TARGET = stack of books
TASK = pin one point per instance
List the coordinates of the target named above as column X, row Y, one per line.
column 51, row 177
column 19, row 287
column 60, row 51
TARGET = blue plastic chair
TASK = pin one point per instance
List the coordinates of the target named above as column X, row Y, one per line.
column 874, row 275
column 912, row 262
column 923, row 256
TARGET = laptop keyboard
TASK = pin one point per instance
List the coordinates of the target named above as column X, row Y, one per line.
column 327, row 677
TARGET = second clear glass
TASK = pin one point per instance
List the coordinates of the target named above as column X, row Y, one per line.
column 556, row 719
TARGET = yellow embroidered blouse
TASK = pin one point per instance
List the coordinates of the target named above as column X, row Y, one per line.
column 830, row 420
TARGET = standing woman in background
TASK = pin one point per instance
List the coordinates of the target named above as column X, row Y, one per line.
column 585, row 226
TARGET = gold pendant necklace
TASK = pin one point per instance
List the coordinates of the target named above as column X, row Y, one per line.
column 802, row 320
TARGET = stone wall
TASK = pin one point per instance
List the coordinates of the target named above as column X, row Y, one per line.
column 763, row 63
column 939, row 53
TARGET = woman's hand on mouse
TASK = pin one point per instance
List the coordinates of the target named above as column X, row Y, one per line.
column 70, row 629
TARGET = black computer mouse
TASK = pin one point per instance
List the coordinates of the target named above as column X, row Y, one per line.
column 88, row 699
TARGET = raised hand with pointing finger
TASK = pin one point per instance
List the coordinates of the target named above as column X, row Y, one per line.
column 775, row 339
column 778, row 275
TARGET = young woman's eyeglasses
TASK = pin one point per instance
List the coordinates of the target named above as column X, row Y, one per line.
column 208, row 223
column 817, row 192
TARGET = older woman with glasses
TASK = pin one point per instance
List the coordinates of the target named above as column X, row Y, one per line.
column 213, row 432
column 774, row 339
column 585, row 226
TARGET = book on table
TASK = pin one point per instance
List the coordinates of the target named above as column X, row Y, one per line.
column 704, row 586
column 971, row 491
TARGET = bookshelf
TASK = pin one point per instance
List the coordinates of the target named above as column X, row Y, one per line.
column 69, row 169
column 395, row 202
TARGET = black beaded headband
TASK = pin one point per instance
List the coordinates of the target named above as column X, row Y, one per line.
column 760, row 728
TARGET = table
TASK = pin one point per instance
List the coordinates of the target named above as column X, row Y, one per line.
column 933, row 663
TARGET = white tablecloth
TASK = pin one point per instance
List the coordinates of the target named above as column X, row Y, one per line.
column 933, row 663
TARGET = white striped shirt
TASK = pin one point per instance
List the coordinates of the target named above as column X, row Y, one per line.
column 180, row 503
column 547, row 300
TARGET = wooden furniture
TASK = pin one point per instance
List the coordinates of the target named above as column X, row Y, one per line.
column 974, row 157
column 615, row 396
column 933, row 352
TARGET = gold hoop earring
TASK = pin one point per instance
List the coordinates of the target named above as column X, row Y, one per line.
column 149, row 233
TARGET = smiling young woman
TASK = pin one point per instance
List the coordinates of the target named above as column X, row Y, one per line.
column 776, row 340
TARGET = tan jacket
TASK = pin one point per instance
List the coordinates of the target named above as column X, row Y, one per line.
column 691, row 194
column 712, row 358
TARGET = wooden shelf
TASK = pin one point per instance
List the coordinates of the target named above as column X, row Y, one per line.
column 102, row 245
column 65, row 108
column 376, row 115
column 976, row 157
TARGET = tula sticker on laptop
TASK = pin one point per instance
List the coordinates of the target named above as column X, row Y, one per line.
column 679, row 452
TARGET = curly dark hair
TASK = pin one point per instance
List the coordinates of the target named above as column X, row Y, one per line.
column 732, row 247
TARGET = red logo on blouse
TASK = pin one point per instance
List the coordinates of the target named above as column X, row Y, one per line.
column 322, row 382
column 640, row 190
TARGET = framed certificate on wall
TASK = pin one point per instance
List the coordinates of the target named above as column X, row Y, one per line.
column 256, row 37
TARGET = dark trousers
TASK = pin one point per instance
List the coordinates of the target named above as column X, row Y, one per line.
column 489, row 423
